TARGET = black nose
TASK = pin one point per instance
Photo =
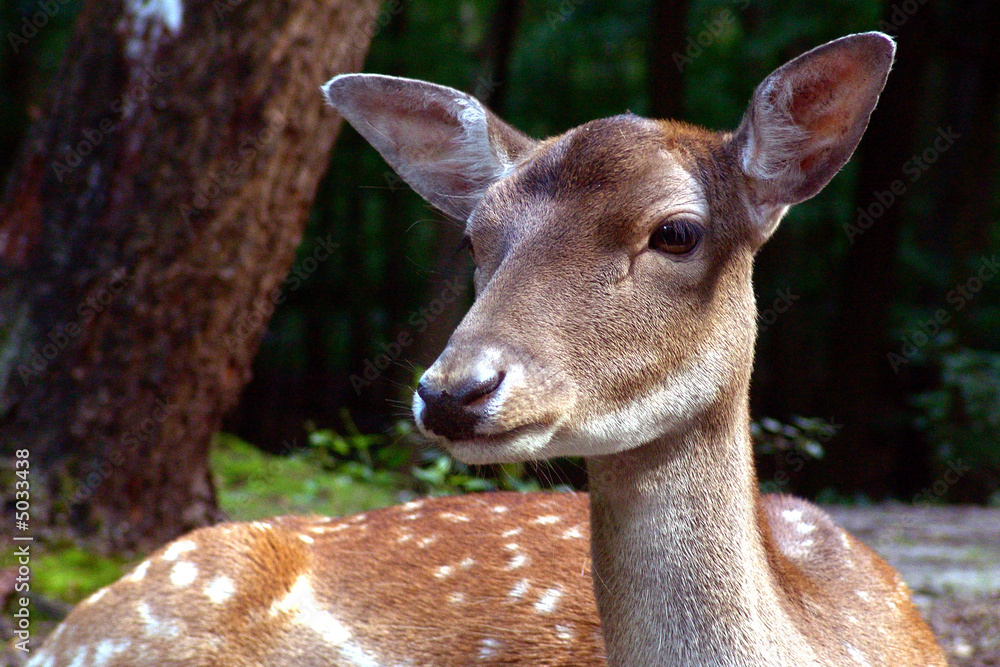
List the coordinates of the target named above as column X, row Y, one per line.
column 449, row 412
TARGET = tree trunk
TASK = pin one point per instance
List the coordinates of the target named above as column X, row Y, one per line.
column 665, row 61
column 149, row 224
column 863, row 391
column 964, row 171
column 666, row 45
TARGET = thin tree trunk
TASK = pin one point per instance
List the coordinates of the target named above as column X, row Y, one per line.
column 492, row 86
column 862, row 387
column 154, row 211
column 964, row 171
column 666, row 62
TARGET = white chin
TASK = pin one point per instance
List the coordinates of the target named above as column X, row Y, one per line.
column 526, row 446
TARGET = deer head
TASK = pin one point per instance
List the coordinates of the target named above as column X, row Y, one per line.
column 613, row 262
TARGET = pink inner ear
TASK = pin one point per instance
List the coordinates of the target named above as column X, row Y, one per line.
column 823, row 103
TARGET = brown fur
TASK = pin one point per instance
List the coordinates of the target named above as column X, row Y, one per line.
column 604, row 347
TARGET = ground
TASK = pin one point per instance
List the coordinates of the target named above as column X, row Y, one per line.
column 950, row 557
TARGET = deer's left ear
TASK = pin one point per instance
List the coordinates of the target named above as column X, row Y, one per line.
column 806, row 119
column 441, row 141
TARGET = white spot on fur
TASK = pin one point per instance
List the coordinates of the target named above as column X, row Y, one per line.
column 301, row 604
column 467, row 563
column 101, row 593
column 792, row 516
column 451, row 516
column 512, row 532
column 517, row 561
column 108, row 649
column 306, row 539
column 220, row 589
column 512, row 546
column 547, row 520
column 155, row 627
column 547, row 602
column 404, row 538
column 358, row 518
column 183, row 574
column 443, row 571
column 42, row 660
column 499, row 509
column 139, row 572
column 413, row 505
column 80, row 657
column 427, row 541
column 519, row 589
column 857, row 656
column 565, row 633
column 457, row 597
column 804, row 528
column 413, row 517
column 488, row 648
column 179, row 547
column 864, row 595
column 306, row 611
column 573, row 533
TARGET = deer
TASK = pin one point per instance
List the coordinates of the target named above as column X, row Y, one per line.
column 613, row 319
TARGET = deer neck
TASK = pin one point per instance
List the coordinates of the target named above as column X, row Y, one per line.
column 681, row 573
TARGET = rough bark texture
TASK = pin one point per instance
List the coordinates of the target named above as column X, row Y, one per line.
column 154, row 212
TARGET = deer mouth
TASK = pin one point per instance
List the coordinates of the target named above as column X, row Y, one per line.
column 512, row 445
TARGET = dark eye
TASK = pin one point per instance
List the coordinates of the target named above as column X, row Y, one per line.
column 676, row 237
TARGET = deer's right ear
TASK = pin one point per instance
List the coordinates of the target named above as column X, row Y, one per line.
column 442, row 142
column 805, row 120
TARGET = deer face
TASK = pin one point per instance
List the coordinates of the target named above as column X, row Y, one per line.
column 613, row 263
column 599, row 297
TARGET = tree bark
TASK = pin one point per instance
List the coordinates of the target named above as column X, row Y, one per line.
column 145, row 233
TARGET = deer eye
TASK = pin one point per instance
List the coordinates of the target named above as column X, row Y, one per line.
column 676, row 237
